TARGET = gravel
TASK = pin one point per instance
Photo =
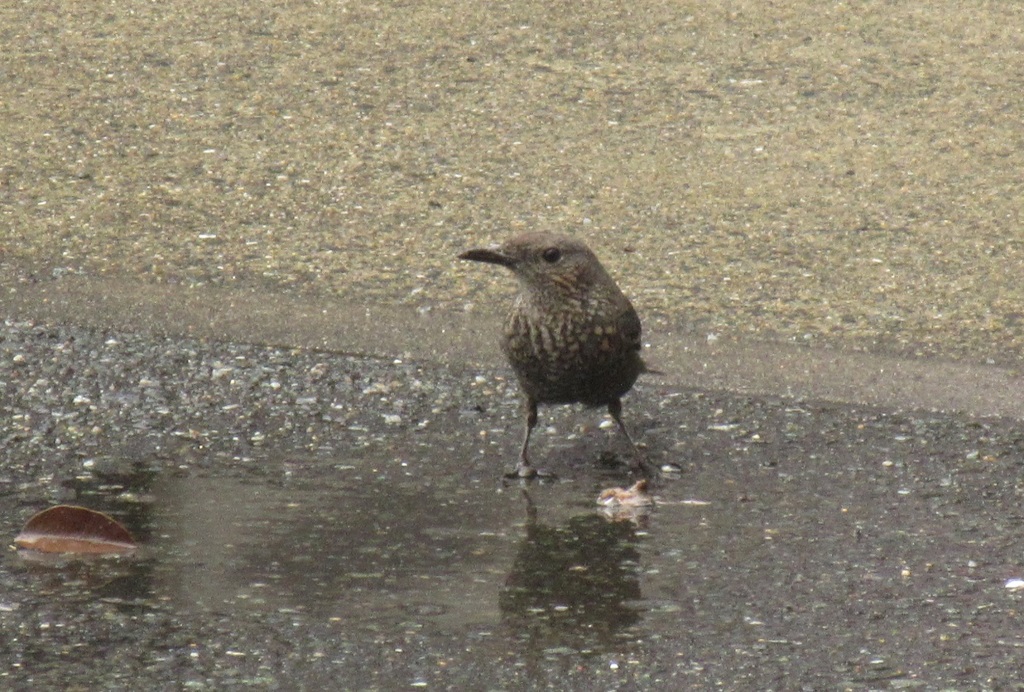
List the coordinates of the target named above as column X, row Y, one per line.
column 70, row 397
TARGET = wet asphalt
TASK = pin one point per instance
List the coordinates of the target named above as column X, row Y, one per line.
column 316, row 519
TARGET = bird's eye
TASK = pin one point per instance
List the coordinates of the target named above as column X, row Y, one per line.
column 552, row 255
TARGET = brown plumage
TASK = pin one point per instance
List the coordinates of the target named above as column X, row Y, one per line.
column 571, row 335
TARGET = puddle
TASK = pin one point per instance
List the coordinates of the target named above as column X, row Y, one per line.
column 385, row 550
column 364, row 550
column 378, row 553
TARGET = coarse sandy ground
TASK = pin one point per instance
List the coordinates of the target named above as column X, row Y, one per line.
column 801, row 171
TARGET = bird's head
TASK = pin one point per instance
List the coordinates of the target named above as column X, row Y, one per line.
column 545, row 262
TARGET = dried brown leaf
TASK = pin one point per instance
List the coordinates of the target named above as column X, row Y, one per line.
column 70, row 529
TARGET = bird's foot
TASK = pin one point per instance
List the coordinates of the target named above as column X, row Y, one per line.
column 526, row 471
column 640, row 467
column 522, row 471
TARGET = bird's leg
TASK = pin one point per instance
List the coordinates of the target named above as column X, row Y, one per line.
column 639, row 463
column 524, row 469
column 615, row 408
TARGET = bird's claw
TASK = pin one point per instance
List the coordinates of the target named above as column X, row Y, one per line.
column 526, row 471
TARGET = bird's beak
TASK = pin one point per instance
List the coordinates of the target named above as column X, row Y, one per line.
column 491, row 256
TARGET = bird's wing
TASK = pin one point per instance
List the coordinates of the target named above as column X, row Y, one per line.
column 628, row 326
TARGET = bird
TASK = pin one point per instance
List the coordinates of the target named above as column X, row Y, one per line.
column 571, row 335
